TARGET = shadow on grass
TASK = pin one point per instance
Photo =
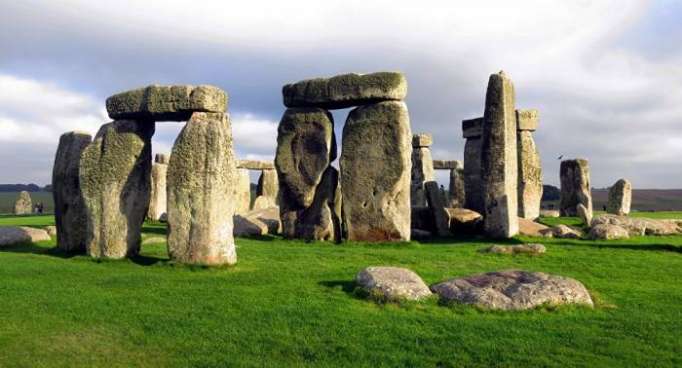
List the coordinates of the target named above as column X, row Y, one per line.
column 644, row 247
column 36, row 249
column 142, row 260
column 465, row 239
column 154, row 229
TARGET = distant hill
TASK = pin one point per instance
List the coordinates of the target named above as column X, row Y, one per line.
column 27, row 187
column 644, row 199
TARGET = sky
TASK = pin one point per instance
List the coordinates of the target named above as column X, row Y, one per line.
column 605, row 75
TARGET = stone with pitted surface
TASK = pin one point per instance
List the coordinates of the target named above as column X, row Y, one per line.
column 23, row 204
column 575, row 187
column 620, row 198
column 640, row 226
column 12, row 235
column 392, row 283
column 530, row 168
column 608, row 232
column 562, row 231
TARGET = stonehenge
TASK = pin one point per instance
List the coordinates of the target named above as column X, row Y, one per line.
column 422, row 168
column 69, row 205
column 242, row 192
column 575, row 187
column 530, row 169
column 620, row 198
column 23, row 205
column 456, row 189
column 472, row 130
column 157, row 196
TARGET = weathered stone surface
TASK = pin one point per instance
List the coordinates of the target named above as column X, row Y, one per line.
column 562, row 232
column 620, row 198
column 528, row 119
column 422, row 140
column 499, row 167
column 51, row 230
column 456, row 195
column 157, row 201
column 530, row 173
column 422, row 172
column 446, row 164
column 242, row 192
column 375, row 172
column 23, row 204
column 534, row 249
column 69, row 206
column 201, row 180
column 392, row 283
column 550, row 213
column 263, row 202
column 345, row 90
column 162, row 158
column 12, row 235
column 531, row 228
column 584, row 214
column 640, row 226
column 473, row 186
column 575, row 187
column 463, row 220
column 608, row 232
column 472, row 128
column 436, row 203
column 255, row 165
column 513, row 290
column 166, row 103
column 115, row 182
column 268, row 185
column 258, row 222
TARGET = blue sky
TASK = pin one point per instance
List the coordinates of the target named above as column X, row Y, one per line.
column 605, row 75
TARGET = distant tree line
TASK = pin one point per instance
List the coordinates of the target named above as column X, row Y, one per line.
column 550, row 193
column 27, row 187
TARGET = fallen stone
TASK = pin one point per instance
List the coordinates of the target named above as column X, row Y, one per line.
column 255, row 165
column 201, row 180
column 534, row 249
column 575, row 187
column 23, row 204
column 13, row 235
column 550, row 213
column 268, row 216
column 346, row 90
column 531, row 228
column 608, row 232
column 375, row 173
column 249, row 226
column 69, row 207
column 115, row 171
column 51, row 230
column 392, row 283
column 620, row 198
column 562, row 232
column 640, row 226
column 166, row 103
column 463, row 220
column 513, row 290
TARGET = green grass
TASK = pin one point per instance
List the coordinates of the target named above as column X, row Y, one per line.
column 7, row 200
column 289, row 303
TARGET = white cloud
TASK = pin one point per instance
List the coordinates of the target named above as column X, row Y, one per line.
column 254, row 134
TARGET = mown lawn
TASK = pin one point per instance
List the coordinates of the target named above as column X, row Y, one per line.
column 290, row 303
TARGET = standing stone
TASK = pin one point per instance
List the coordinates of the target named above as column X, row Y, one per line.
column 575, row 187
column 322, row 219
column 268, row 185
column 242, row 192
column 69, row 206
column 157, row 202
column 305, row 147
column 620, row 198
column 201, row 176
column 23, row 204
column 456, row 187
column 499, row 159
column 473, row 187
column 436, row 202
column 115, row 182
column 422, row 168
column 584, row 214
column 162, row 158
column 530, row 169
column 375, row 172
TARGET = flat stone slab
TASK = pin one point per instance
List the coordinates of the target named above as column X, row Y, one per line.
column 513, row 290
column 516, row 249
column 10, row 235
column 562, row 231
column 166, row 103
column 447, row 164
column 392, row 283
column 346, row 90
column 255, row 165
column 527, row 119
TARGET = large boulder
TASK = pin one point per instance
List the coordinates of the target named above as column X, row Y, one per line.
column 620, row 198
column 608, row 232
column 392, row 283
column 531, row 228
column 375, row 172
column 12, row 235
column 513, row 290
column 345, row 90
column 258, row 222
column 562, row 231
column 201, row 180
column 115, row 182
column 499, row 166
column 166, row 103
column 463, row 220
column 473, row 187
column 530, row 168
column 640, row 226
column 23, row 204
column 69, row 206
column 157, row 201
column 575, row 187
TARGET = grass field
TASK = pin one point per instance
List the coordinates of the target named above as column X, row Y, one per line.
column 7, row 200
column 289, row 303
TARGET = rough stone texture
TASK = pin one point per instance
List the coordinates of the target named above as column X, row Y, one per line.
column 69, row 206
column 550, row 213
column 575, row 187
column 422, row 140
column 531, row 228
column 640, row 226
column 162, row 158
column 463, row 220
column 530, row 168
column 516, row 249
column 51, row 230
column 268, row 185
column 422, row 172
column 255, row 165
column 23, row 204
column 446, row 164
column 201, row 179
column 499, row 167
column 242, row 192
column 513, row 290
column 12, row 235
column 620, row 198
column 584, row 214
column 258, row 222
column 166, row 103
column 263, row 202
column 456, row 194
column 472, row 128
column 562, row 232
column 375, row 173
column 157, row 201
column 392, row 283
column 436, row 203
column 608, row 232
column 345, row 90
column 115, row 182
